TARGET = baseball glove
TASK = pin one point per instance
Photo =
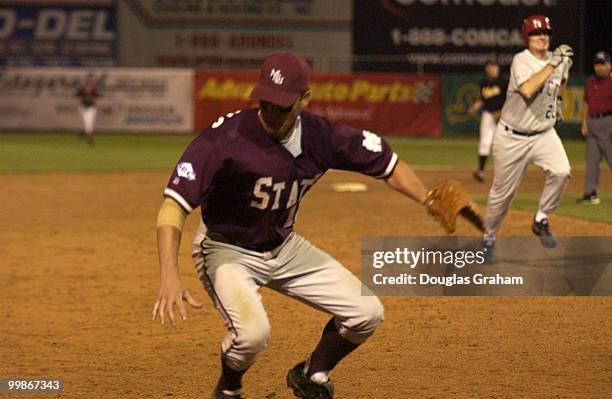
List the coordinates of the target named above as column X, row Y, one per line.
column 449, row 200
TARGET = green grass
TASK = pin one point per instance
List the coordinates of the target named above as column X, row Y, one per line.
column 27, row 152
column 568, row 206
column 44, row 152
column 459, row 151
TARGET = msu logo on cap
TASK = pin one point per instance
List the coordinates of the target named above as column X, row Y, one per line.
column 282, row 79
column 277, row 76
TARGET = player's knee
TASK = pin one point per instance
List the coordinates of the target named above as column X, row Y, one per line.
column 371, row 314
column 246, row 346
column 561, row 174
column 253, row 339
column 375, row 313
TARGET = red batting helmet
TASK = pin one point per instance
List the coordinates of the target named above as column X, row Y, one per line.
column 535, row 23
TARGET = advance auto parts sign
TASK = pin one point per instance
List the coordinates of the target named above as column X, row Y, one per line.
column 451, row 35
column 400, row 104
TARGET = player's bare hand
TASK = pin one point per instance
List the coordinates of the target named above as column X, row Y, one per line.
column 584, row 130
column 171, row 293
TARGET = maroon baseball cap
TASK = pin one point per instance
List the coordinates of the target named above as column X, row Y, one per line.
column 283, row 77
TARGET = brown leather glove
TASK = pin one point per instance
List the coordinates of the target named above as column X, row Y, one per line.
column 449, row 200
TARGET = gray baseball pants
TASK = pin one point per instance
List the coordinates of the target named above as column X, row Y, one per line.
column 598, row 144
column 512, row 153
column 232, row 277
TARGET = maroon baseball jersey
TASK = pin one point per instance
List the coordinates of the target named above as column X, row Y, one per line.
column 598, row 95
column 88, row 95
column 250, row 185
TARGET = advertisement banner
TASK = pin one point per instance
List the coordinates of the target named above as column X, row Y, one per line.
column 395, row 104
column 234, row 35
column 66, row 33
column 460, row 91
column 138, row 100
column 453, row 35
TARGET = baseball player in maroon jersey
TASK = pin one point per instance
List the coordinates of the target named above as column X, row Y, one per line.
column 249, row 173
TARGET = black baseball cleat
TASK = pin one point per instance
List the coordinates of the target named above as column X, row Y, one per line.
column 478, row 176
column 304, row 388
column 542, row 230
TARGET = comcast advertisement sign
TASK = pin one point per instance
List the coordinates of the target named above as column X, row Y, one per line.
column 452, row 35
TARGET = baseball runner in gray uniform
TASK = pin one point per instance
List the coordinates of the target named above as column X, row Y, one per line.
column 249, row 173
column 526, row 130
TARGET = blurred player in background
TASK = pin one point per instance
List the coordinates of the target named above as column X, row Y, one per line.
column 526, row 130
column 597, row 124
column 492, row 96
column 88, row 95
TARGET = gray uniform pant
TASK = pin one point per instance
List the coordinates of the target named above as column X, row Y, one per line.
column 512, row 153
column 598, row 144
column 232, row 276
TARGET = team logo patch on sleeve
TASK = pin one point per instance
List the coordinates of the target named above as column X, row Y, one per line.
column 184, row 169
column 371, row 141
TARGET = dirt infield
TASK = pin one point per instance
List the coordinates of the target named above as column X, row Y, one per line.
column 80, row 276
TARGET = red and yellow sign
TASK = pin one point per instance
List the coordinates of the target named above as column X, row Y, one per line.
column 399, row 104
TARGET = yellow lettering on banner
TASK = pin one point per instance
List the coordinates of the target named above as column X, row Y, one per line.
column 341, row 92
column 395, row 93
column 360, row 89
column 378, row 93
column 229, row 89
column 322, row 92
column 409, row 93
column 364, row 90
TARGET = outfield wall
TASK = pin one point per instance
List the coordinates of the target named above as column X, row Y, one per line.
column 133, row 99
column 186, row 100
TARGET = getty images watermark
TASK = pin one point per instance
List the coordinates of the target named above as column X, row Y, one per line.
column 462, row 266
